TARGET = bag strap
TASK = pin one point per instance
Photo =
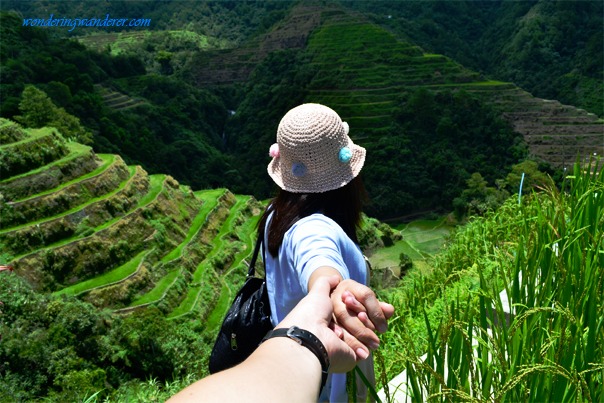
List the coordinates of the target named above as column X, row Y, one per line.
column 259, row 242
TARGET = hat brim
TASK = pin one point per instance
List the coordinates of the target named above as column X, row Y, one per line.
column 339, row 174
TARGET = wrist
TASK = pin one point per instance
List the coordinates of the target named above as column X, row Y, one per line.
column 306, row 339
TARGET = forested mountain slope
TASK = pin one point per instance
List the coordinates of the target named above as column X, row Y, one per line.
column 427, row 121
column 552, row 49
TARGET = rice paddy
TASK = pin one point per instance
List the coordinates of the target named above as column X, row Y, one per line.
column 458, row 338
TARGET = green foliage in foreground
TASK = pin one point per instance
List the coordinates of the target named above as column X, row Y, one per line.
column 548, row 255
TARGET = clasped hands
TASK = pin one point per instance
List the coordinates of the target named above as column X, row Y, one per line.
column 345, row 316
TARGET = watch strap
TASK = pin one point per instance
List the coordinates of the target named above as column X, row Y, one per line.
column 308, row 340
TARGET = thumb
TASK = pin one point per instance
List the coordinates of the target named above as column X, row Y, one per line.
column 324, row 285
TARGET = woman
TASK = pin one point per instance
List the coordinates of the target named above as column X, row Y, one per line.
column 309, row 229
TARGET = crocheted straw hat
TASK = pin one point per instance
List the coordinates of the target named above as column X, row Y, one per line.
column 313, row 153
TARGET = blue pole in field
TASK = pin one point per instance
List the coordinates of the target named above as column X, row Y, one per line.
column 520, row 190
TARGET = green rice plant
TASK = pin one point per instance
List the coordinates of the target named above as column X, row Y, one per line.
column 533, row 328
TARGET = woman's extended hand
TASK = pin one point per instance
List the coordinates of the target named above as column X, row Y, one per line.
column 359, row 313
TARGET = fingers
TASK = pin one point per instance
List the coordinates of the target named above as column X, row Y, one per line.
column 355, row 307
column 367, row 302
column 314, row 313
column 352, row 303
column 337, row 330
column 341, row 355
column 387, row 309
column 361, row 351
column 350, row 322
column 324, row 285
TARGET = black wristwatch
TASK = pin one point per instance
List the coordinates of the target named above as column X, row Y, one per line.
column 308, row 340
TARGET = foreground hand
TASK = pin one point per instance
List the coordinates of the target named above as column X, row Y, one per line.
column 314, row 313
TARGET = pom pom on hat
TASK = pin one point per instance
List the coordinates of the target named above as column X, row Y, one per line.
column 345, row 154
column 274, row 151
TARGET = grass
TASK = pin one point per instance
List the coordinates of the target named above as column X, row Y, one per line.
column 77, row 208
column 215, row 317
column 114, row 276
column 194, row 292
column 160, row 289
column 421, row 240
column 187, row 304
column 130, row 41
column 155, row 188
column 227, row 293
column 75, row 150
column 426, row 236
column 547, row 253
column 108, row 160
column 32, row 136
column 210, row 201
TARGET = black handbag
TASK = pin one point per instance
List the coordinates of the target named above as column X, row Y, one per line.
column 245, row 324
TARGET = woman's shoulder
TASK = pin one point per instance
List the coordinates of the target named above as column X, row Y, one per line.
column 317, row 218
column 317, row 223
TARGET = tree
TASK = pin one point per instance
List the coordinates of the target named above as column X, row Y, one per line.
column 478, row 197
column 36, row 107
column 533, row 177
column 405, row 263
column 38, row 110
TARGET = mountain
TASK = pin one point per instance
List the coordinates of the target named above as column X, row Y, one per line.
column 206, row 116
column 552, row 49
column 427, row 121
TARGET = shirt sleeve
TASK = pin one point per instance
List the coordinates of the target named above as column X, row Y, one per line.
column 315, row 242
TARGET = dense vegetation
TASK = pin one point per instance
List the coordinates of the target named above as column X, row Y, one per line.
column 177, row 130
column 86, row 235
column 66, row 349
column 228, row 22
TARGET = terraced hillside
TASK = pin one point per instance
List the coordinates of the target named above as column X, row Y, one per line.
column 85, row 224
column 235, row 65
column 556, row 133
column 117, row 100
column 362, row 71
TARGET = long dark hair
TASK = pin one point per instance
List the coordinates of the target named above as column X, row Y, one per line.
column 343, row 205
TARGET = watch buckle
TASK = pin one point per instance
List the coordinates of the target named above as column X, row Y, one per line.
column 291, row 335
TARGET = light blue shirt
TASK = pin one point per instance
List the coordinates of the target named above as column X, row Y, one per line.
column 310, row 243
